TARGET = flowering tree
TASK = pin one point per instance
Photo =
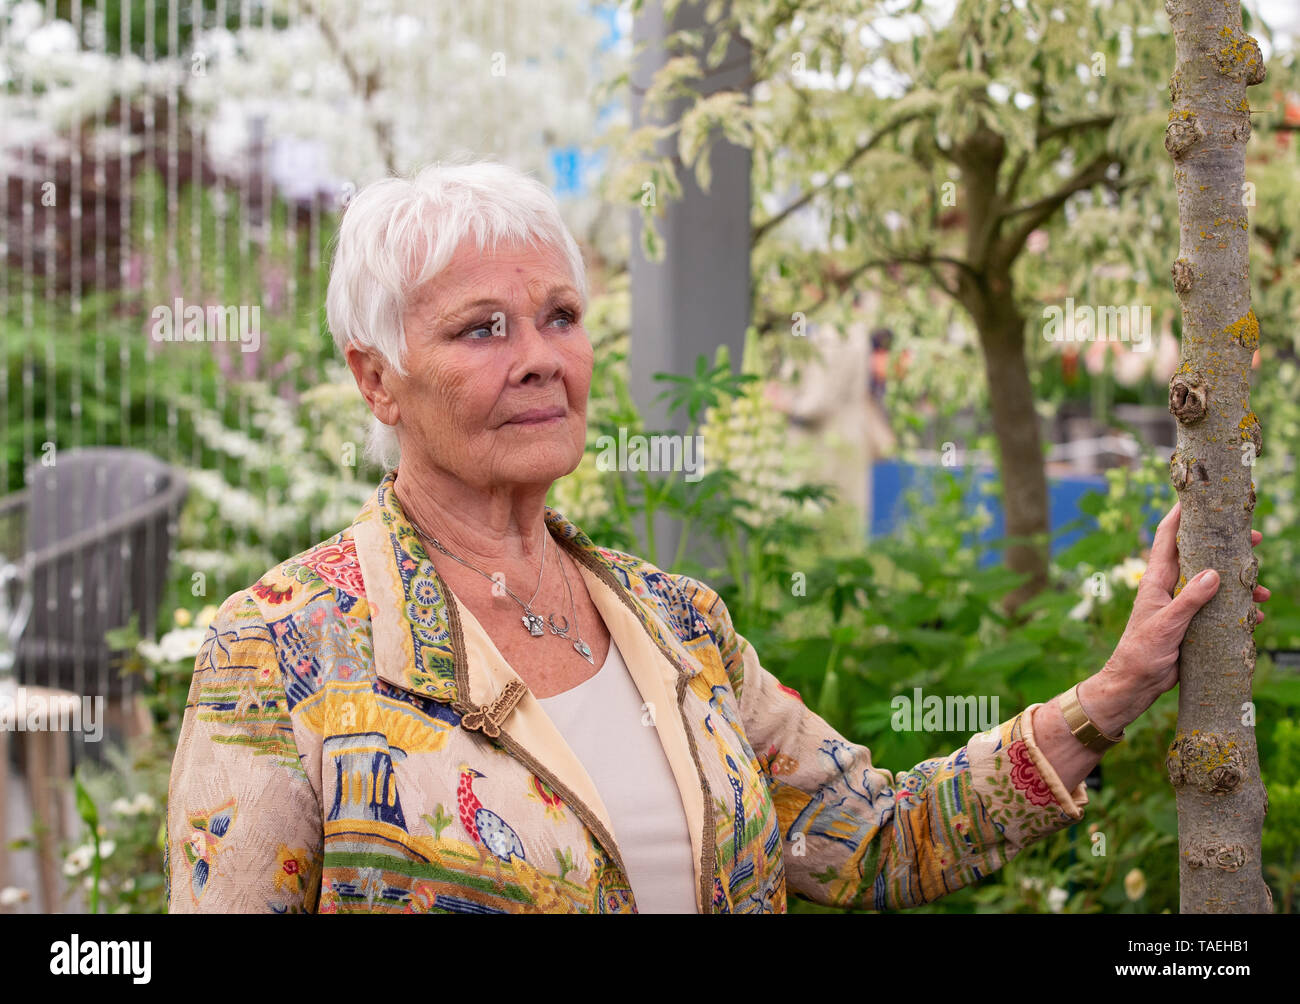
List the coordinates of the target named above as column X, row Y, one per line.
column 1000, row 155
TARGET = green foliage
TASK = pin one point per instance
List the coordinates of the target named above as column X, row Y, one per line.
column 851, row 625
column 1282, row 832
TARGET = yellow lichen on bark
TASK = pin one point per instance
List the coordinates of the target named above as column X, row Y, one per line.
column 1245, row 330
column 1238, row 50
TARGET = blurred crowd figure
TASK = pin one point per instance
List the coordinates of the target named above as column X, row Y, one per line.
column 834, row 403
column 882, row 341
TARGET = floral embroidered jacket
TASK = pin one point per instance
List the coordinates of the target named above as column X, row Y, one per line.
column 354, row 742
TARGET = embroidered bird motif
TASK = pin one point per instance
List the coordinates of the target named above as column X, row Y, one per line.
column 491, row 833
column 488, row 830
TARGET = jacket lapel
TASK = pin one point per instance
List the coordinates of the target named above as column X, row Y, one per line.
column 428, row 643
column 657, row 679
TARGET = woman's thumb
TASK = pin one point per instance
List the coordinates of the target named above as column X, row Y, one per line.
column 1194, row 595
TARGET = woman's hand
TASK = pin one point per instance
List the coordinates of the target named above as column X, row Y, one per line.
column 1145, row 662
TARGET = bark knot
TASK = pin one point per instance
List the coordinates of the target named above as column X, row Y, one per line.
column 1210, row 762
column 1239, row 56
column 1249, row 574
column 1178, row 471
column 1182, row 273
column 1227, row 857
column 1182, row 134
column 1187, row 397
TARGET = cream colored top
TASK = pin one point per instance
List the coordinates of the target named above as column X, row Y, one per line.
column 605, row 721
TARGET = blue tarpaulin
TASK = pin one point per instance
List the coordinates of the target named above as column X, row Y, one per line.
column 890, row 479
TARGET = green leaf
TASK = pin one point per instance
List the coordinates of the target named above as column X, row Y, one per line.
column 1010, row 656
column 85, row 805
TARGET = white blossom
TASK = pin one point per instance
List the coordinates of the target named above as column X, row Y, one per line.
column 179, row 645
column 78, row 860
column 12, row 896
column 1128, row 572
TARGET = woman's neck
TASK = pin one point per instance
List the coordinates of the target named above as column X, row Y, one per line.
column 503, row 525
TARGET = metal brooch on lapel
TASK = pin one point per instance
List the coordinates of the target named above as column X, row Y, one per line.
column 488, row 719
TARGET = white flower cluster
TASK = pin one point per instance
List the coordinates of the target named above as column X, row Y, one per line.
column 178, row 645
column 141, row 805
column 1095, row 588
column 53, row 82
column 224, row 564
column 1128, row 572
column 429, row 72
column 11, row 896
column 321, row 488
column 746, row 436
column 1056, row 896
column 81, row 858
column 282, row 435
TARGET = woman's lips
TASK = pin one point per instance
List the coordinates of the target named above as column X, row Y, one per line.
column 537, row 416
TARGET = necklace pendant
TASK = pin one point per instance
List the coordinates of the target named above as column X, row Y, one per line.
column 584, row 650
column 563, row 632
column 534, row 624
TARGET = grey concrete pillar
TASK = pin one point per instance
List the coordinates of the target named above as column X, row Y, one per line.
column 698, row 296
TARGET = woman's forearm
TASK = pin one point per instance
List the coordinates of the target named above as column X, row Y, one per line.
column 1108, row 702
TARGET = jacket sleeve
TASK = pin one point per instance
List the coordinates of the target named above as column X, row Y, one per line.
column 243, row 831
column 854, row 835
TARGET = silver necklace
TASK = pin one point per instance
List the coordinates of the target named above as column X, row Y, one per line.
column 579, row 646
column 532, row 622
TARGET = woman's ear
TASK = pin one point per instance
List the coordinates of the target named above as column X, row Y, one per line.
column 373, row 377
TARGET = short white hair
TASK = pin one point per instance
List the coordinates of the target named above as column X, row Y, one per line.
column 398, row 233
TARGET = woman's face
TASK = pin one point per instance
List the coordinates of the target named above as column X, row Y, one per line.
column 498, row 369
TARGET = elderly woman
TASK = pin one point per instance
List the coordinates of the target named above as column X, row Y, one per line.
column 461, row 704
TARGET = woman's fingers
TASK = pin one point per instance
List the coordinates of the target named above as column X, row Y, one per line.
column 1261, row 594
column 1255, row 537
column 1162, row 566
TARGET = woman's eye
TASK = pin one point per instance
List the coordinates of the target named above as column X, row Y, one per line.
column 566, row 316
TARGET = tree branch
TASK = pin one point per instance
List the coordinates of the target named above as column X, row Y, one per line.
column 1047, row 132
column 1013, row 182
column 1042, row 134
column 1038, row 213
column 859, row 152
column 842, row 282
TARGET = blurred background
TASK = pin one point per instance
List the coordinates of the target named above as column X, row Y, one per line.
column 774, row 201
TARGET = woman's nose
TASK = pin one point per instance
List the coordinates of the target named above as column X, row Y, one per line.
column 536, row 356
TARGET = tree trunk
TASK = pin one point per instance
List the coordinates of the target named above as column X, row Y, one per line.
column 1213, row 763
column 1001, row 330
column 988, row 294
